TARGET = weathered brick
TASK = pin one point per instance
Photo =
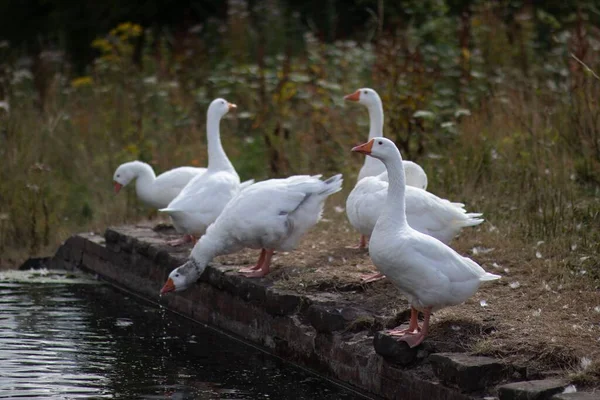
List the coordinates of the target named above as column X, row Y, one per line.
column 394, row 350
column 577, row 396
column 325, row 319
column 531, row 390
column 469, row 373
column 283, row 303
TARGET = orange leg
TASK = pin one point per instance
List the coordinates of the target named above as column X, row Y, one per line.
column 413, row 326
column 363, row 242
column 258, row 265
column 361, row 245
column 264, row 268
column 366, row 278
column 182, row 240
column 414, row 335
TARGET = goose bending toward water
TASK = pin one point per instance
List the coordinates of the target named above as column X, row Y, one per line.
column 415, row 175
column 270, row 215
column 154, row 191
column 201, row 201
column 426, row 271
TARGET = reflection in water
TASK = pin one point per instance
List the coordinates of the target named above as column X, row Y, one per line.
column 63, row 340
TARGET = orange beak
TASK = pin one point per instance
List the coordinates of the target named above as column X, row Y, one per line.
column 169, row 287
column 353, row 97
column 118, row 187
column 231, row 106
column 364, row 148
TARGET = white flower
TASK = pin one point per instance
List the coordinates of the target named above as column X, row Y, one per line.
column 462, row 111
column 424, row 114
column 481, row 250
column 20, row 75
column 151, row 80
column 570, row 389
column 585, row 363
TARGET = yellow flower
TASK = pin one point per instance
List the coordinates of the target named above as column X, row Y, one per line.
column 136, row 30
column 126, row 30
column 82, row 81
column 102, row 44
column 132, row 149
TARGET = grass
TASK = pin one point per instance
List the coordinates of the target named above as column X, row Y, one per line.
column 586, row 375
column 508, row 159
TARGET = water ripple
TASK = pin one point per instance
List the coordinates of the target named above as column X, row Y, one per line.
column 74, row 341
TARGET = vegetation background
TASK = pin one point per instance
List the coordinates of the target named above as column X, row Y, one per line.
column 497, row 100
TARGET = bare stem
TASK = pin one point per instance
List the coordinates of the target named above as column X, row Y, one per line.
column 585, row 66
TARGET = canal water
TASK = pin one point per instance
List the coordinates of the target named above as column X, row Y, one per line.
column 66, row 337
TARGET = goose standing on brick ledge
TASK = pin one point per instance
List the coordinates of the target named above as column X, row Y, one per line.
column 427, row 272
column 269, row 215
column 154, row 191
column 201, row 201
column 425, row 212
column 415, row 175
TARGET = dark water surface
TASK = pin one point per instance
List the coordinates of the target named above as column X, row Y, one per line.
column 61, row 340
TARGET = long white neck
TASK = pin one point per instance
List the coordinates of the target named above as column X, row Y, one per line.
column 373, row 166
column 394, row 212
column 206, row 249
column 375, row 119
column 217, row 159
column 145, row 178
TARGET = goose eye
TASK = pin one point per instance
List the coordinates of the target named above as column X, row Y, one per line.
column 365, row 92
column 176, row 275
column 380, row 142
column 118, row 175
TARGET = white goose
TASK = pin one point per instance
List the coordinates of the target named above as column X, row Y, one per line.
column 154, row 191
column 199, row 203
column 430, row 274
column 269, row 215
column 415, row 175
column 425, row 212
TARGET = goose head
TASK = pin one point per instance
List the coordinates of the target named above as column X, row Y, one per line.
column 365, row 96
column 183, row 276
column 219, row 107
column 378, row 147
column 124, row 174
